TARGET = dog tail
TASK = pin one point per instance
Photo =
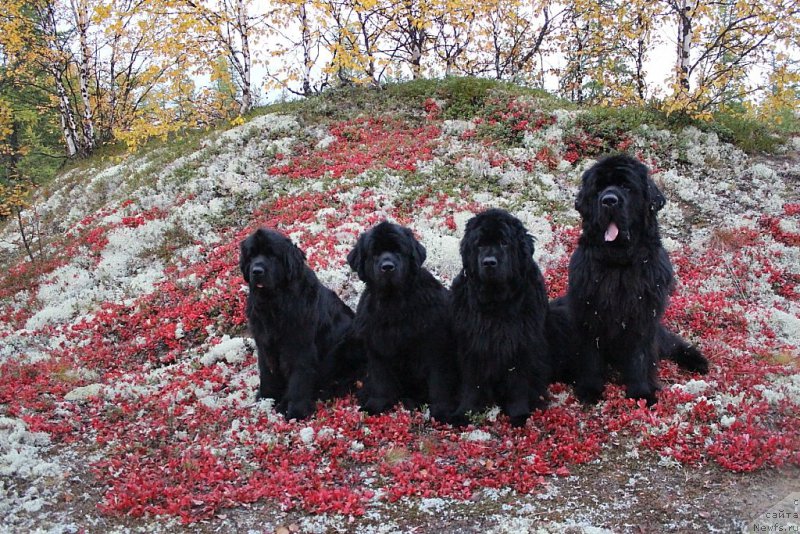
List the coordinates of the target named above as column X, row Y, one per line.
column 672, row 347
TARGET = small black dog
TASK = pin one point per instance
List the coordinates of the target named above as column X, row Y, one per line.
column 620, row 278
column 301, row 328
column 403, row 320
column 499, row 313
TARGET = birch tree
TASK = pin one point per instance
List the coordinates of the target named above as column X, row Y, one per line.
column 32, row 37
column 620, row 36
column 81, row 19
column 720, row 43
column 231, row 25
column 408, row 35
column 515, row 36
column 296, row 34
column 352, row 33
column 453, row 33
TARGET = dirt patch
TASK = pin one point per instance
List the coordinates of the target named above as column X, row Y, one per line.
column 617, row 492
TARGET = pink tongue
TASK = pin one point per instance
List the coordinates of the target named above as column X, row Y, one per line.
column 611, row 232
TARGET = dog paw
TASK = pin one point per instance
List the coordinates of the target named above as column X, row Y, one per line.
column 457, row 420
column 299, row 409
column 692, row 360
column 642, row 392
column 375, row 406
column 409, row 403
column 539, row 402
column 262, row 394
column 518, row 421
column 440, row 413
column 588, row 394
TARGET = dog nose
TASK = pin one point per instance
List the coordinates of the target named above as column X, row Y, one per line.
column 609, row 199
column 257, row 271
column 387, row 266
column 489, row 261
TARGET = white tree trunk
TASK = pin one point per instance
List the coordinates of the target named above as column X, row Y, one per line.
column 247, row 90
column 80, row 11
column 416, row 61
column 307, row 63
column 684, row 43
column 68, row 126
column 81, row 14
column 55, row 68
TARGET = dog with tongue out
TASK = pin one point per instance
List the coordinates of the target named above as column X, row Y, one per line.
column 620, row 279
column 612, row 231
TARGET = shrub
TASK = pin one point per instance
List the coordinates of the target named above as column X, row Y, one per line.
column 748, row 134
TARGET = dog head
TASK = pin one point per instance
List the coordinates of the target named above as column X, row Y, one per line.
column 618, row 202
column 496, row 247
column 269, row 260
column 387, row 256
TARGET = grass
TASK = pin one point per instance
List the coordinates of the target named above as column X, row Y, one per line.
column 462, row 98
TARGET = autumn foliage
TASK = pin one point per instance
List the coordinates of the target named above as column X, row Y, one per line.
column 122, row 71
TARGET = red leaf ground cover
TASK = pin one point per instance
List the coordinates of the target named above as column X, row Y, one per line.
column 179, row 435
column 362, row 144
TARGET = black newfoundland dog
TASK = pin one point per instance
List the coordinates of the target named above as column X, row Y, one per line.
column 301, row 328
column 403, row 321
column 620, row 279
column 499, row 314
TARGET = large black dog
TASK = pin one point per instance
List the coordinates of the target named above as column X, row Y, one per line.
column 403, row 321
column 499, row 312
column 301, row 328
column 620, row 278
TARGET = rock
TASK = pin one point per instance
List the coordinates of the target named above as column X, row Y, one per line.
column 83, row 393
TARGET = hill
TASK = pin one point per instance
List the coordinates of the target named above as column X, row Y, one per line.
column 128, row 376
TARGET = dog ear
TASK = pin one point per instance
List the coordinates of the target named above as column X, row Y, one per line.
column 244, row 260
column 418, row 252
column 655, row 196
column 356, row 259
column 526, row 243
column 468, row 248
column 294, row 260
column 583, row 203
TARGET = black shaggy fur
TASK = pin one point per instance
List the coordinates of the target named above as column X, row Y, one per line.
column 499, row 312
column 403, row 321
column 620, row 278
column 301, row 328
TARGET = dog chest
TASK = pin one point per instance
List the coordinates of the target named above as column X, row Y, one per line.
column 619, row 298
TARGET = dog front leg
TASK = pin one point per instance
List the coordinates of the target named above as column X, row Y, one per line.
column 301, row 363
column 441, row 389
column 641, row 373
column 383, row 391
column 589, row 382
column 470, row 395
column 516, row 397
column 271, row 384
